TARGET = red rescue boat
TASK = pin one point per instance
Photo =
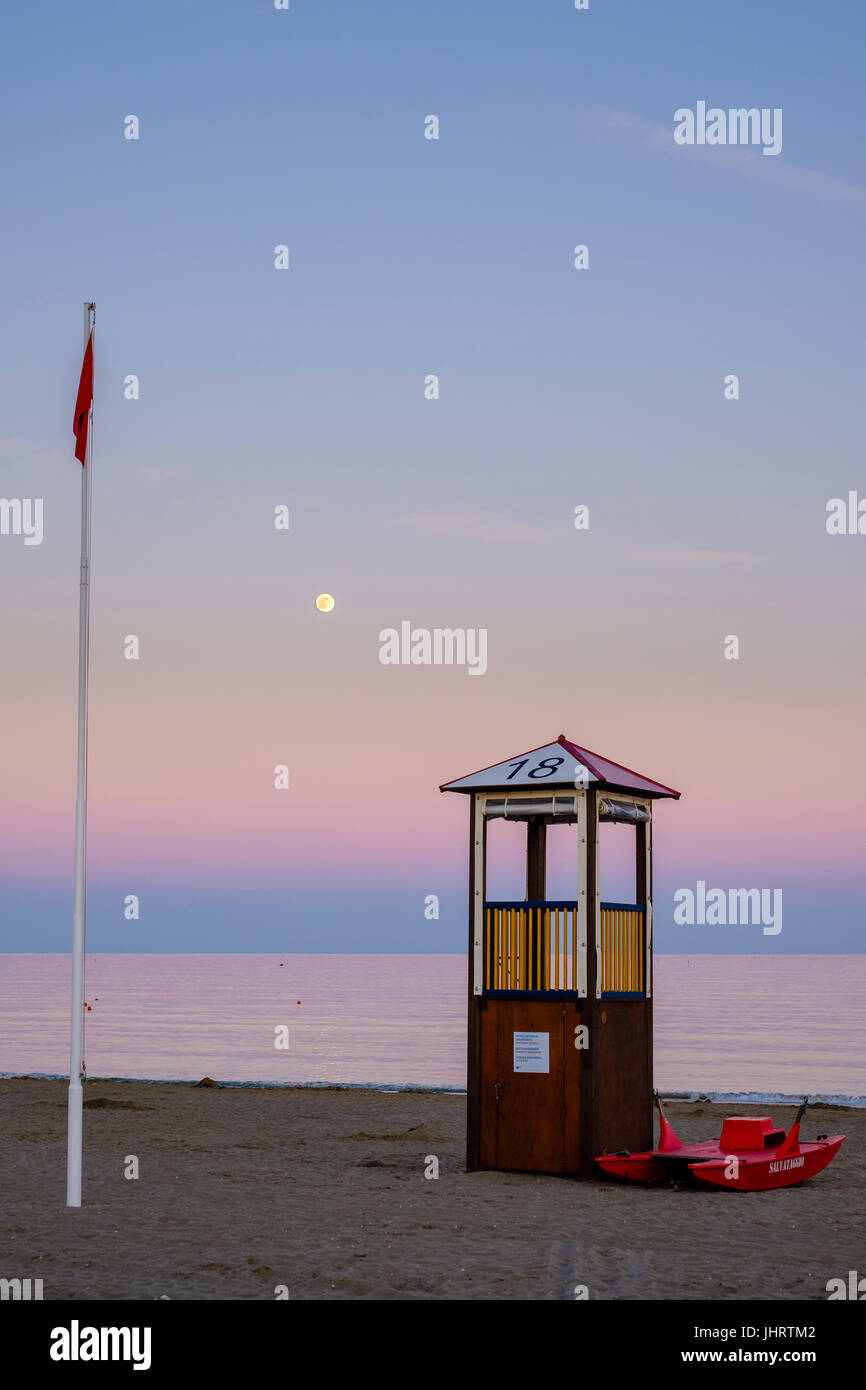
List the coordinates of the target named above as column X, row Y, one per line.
column 752, row 1155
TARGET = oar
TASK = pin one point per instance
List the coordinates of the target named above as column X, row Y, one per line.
column 667, row 1138
column 791, row 1145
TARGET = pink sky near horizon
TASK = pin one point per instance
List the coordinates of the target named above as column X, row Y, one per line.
column 181, row 787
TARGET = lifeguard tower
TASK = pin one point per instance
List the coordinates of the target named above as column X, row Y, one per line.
column 560, row 990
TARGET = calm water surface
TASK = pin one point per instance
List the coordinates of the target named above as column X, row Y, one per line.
column 772, row 1025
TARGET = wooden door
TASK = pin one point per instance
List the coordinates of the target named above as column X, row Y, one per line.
column 530, row 1086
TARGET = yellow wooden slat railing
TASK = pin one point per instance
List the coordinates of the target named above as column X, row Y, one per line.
column 534, row 946
column 622, row 949
column 530, row 946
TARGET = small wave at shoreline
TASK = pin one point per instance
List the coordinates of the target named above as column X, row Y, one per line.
column 835, row 1102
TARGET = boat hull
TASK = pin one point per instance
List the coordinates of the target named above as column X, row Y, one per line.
column 746, row 1170
column 636, row 1168
column 761, row 1172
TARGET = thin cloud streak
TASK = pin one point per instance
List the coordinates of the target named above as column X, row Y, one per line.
column 692, row 557
column 476, row 526
column 742, row 159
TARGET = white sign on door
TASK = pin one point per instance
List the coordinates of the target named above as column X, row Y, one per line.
column 532, row 1052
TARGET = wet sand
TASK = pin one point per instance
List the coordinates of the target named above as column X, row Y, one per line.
column 323, row 1191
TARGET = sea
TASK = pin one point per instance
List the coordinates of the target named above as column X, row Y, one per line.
column 727, row 1027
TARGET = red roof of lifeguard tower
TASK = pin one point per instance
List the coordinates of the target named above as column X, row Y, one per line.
column 531, row 770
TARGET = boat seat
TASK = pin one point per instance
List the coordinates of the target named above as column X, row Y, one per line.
column 774, row 1138
column 746, row 1132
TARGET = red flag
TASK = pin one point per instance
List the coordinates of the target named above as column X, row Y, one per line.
column 83, row 402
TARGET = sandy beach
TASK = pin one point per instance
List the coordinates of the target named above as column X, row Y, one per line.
column 323, row 1191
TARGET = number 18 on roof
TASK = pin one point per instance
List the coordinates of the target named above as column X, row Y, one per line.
column 560, row 990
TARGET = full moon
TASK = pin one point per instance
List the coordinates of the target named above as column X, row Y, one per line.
column 324, row 603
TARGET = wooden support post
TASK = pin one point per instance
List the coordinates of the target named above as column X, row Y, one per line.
column 477, row 859
column 640, row 867
column 643, row 895
column 536, row 855
column 592, row 1006
column 536, row 880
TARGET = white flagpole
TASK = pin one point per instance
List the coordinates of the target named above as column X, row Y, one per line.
column 75, row 1132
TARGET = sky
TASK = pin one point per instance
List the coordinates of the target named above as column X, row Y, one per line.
column 258, row 387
